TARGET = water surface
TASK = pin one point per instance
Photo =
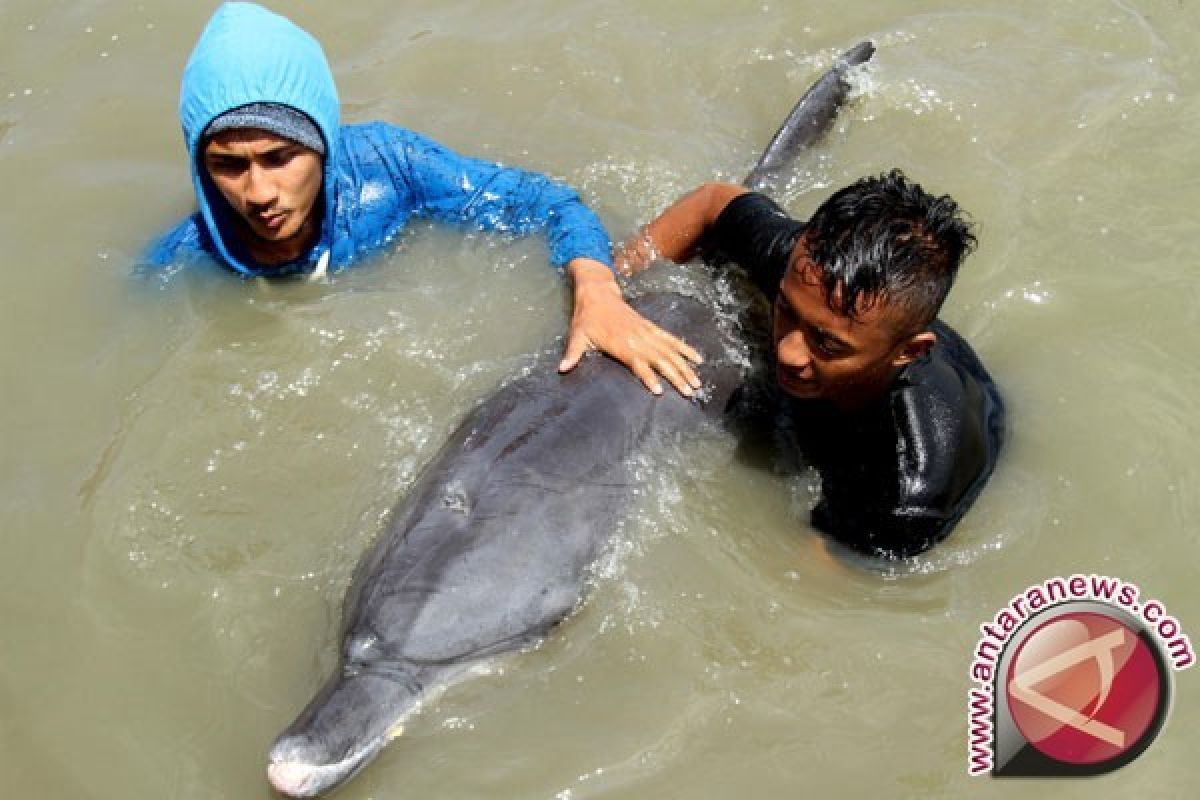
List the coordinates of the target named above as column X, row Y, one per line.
column 192, row 464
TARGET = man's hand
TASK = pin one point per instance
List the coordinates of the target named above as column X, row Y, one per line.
column 604, row 321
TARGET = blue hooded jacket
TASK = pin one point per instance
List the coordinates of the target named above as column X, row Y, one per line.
column 377, row 176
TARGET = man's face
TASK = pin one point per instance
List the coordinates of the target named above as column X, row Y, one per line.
column 272, row 183
column 821, row 353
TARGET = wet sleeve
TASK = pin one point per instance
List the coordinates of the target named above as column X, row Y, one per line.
column 756, row 234
column 456, row 189
column 184, row 242
column 906, row 494
column 886, row 530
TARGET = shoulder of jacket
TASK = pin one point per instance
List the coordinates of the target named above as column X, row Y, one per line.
column 186, row 235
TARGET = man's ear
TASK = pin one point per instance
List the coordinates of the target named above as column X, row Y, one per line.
column 914, row 347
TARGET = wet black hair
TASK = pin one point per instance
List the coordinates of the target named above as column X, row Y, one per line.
column 885, row 239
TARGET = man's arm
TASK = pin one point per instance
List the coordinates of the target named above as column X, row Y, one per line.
column 455, row 188
column 884, row 532
column 675, row 233
column 186, row 240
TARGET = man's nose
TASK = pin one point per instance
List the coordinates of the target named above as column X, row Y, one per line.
column 793, row 352
column 260, row 189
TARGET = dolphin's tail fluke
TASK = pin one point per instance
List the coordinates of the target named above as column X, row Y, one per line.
column 809, row 120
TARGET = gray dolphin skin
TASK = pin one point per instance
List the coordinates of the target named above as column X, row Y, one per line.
column 491, row 547
column 810, row 119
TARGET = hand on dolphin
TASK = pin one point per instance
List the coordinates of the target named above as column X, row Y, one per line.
column 603, row 321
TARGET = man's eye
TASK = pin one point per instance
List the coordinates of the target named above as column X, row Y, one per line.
column 825, row 345
column 278, row 158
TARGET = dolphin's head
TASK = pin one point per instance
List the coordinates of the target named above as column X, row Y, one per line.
column 340, row 732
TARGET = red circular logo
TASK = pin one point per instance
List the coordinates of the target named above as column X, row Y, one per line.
column 1084, row 688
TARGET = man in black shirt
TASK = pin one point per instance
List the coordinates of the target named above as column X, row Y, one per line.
column 889, row 404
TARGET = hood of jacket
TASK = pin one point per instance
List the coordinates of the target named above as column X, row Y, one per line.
column 248, row 54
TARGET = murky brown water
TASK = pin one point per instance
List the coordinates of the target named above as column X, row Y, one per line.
column 192, row 466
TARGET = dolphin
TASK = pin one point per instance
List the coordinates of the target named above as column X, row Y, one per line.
column 491, row 547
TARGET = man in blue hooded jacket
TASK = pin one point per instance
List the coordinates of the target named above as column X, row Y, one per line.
column 284, row 188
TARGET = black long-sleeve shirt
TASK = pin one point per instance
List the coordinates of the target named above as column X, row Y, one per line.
column 897, row 475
